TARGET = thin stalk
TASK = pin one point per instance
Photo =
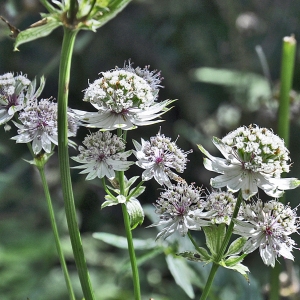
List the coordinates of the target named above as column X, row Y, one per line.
column 222, row 249
column 63, row 92
column 286, row 80
column 134, row 268
column 55, row 233
column 192, row 240
column 106, row 189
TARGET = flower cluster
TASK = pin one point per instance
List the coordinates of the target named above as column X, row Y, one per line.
column 39, row 126
column 254, row 157
column 158, row 156
column 15, row 93
column 125, row 98
column 267, row 227
column 104, row 154
column 221, row 204
column 181, row 209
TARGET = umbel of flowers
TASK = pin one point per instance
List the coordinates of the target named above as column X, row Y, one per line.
column 254, row 158
column 125, row 98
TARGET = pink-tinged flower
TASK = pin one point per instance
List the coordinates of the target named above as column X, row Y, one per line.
column 158, row 156
column 181, row 209
column 39, row 126
column 268, row 226
column 102, row 155
column 125, row 98
column 15, row 93
column 254, row 157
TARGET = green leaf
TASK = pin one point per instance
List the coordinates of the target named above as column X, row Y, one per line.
column 201, row 256
column 110, row 201
column 101, row 14
column 214, row 237
column 40, row 29
column 233, row 260
column 254, row 85
column 182, row 273
column 121, row 242
column 233, row 264
column 236, row 246
column 135, row 212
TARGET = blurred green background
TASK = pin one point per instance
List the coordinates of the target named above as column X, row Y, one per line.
column 221, row 60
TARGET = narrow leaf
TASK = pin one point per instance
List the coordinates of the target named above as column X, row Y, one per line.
column 121, row 242
column 236, row 246
column 33, row 33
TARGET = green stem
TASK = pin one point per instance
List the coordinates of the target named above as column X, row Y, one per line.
column 209, row 281
column 222, row 249
column 135, row 189
column 286, row 80
column 56, row 235
column 192, row 240
column 134, row 268
column 107, row 191
column 63, row 91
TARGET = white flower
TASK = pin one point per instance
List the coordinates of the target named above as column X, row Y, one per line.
column 15, row 93
column 125, row 98
column 181, row 209
column 102, row 156
column 268, row 227
column 254, row 157
column 221, row 206
column 158, row 157
column 39, row 125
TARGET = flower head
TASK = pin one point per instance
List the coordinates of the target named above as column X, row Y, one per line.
column 104, row 154
column 254, row 157
column 158, row 156
column 221, row 206
column 268, row 226
column 15, row 92
column 180, row 208
column 125, row 98
column 39, row 125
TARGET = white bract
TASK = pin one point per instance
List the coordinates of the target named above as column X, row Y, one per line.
column 125, row 98
column 39, row 126
column 181, row 209
column 104, row 154
column 158, row 156
column 268, row 226
column 254, row 157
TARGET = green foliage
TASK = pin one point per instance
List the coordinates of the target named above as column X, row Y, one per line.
column 174, row 37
